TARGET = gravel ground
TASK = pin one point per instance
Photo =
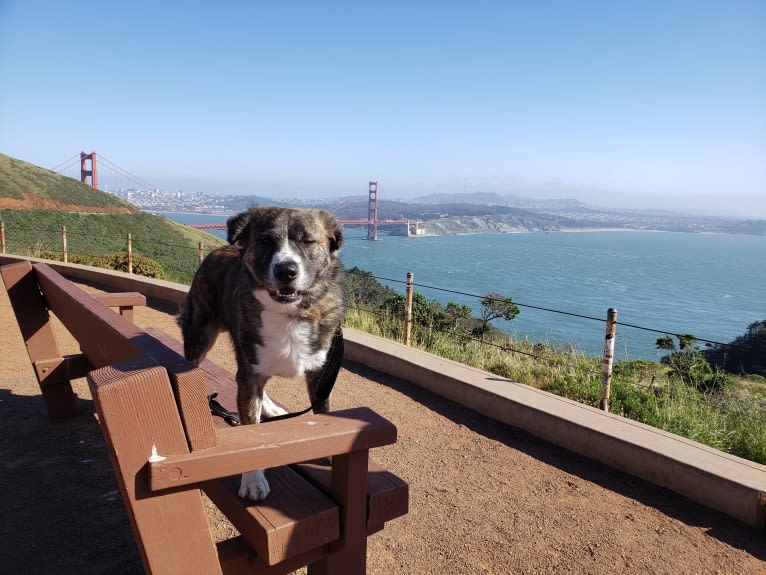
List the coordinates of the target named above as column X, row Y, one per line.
column 484, row 497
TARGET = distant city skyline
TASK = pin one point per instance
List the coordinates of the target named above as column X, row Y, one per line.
column 655, row 105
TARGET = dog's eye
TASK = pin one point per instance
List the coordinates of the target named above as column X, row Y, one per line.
column 303, row 240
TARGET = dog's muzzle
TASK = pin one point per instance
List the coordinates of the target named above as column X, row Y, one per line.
column 285, row 273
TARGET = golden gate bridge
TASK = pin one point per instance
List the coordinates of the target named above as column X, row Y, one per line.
column 90, row 163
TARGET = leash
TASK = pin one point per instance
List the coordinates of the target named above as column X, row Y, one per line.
column 327, row 379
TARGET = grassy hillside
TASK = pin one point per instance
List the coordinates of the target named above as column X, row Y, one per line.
column 35, row 204
column 38, row 233
column 26, row 186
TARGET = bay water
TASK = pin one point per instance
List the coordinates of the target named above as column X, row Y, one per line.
column 709, row 285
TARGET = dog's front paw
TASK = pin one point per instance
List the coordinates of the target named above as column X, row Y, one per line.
column 269, row 408
column 254, row 486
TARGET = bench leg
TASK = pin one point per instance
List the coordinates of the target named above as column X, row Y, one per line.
column 349, row 489
column 34, row 323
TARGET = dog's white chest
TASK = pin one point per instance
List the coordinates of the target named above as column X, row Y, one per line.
column 287, row 346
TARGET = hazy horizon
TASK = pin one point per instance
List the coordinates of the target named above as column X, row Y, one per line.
column 734, row 205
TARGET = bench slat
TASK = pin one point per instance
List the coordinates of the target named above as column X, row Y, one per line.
column 125, row 301
column 387, row 494
column 238, row 558
column 121, row 299
column 274, row 444
column 104, row 336
column 295, row 518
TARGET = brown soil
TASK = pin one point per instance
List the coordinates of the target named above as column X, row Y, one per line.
column 35, row 202
column 484, row 497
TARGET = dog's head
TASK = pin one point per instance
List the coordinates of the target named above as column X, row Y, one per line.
column 287, row 252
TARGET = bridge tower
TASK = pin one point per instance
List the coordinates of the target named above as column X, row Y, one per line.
column 372, row 212
column 92, row 172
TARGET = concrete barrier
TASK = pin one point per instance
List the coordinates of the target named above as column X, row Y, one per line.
column 730, row 484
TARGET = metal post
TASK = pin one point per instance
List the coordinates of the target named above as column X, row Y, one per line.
column 130, row 254
column 201, row 252
column 606, row 366
column 408, row 310
column 2, row 236
column 64, row 255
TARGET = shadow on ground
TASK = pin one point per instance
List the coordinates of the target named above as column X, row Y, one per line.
column 61, row 508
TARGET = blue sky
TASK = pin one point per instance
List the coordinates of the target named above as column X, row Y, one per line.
column 658, row 104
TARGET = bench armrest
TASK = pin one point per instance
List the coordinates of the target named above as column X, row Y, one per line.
column 120, row 299
column 249, row 447
column 124, row 300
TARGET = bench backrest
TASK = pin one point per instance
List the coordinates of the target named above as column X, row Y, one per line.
column 105, row 338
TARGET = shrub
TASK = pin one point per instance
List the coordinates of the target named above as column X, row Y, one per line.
column 142, row 265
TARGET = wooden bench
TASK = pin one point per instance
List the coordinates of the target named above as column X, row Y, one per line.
column 166, row 447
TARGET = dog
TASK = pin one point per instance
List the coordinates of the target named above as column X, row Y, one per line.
column 277, row 289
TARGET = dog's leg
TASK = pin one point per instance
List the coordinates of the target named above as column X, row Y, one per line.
column 197, row 342
column 312, row 383
column 254, row 485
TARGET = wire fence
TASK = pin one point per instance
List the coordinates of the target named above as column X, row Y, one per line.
column 90, row 245
column 549, row 356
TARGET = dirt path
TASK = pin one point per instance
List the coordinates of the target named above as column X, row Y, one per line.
column 485, row 497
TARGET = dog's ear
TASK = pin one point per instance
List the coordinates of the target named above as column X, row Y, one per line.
column 236, row 225
column 334, row 230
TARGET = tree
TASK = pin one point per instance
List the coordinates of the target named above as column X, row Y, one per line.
column 363, row 290
column 746, row 354
column 689, row 365
column 457, row 313
column 494, row 306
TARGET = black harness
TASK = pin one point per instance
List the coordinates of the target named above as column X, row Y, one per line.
column 327, row 379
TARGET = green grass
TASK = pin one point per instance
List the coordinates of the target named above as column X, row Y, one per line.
column 37, row 233
column 645, row 391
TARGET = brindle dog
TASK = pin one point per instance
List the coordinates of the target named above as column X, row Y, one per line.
column 277, row 289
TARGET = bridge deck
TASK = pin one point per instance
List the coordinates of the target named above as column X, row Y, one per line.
column 342, row 222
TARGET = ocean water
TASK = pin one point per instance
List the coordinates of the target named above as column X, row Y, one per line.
column 712, row 286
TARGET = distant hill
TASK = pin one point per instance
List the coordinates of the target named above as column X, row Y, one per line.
column 494, row 199
column 35, row 204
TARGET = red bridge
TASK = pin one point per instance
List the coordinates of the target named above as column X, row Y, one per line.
column 372, row 222
column 89, row 174
column 412, row 226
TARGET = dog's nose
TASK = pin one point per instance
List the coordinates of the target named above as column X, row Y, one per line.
column 286, row 271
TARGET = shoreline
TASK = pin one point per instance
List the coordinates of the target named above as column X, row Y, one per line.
column 496, row 232
column 488, row 232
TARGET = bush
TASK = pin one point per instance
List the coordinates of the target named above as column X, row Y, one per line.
column 501, row 368
column 142, row 265
column 717, row 382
